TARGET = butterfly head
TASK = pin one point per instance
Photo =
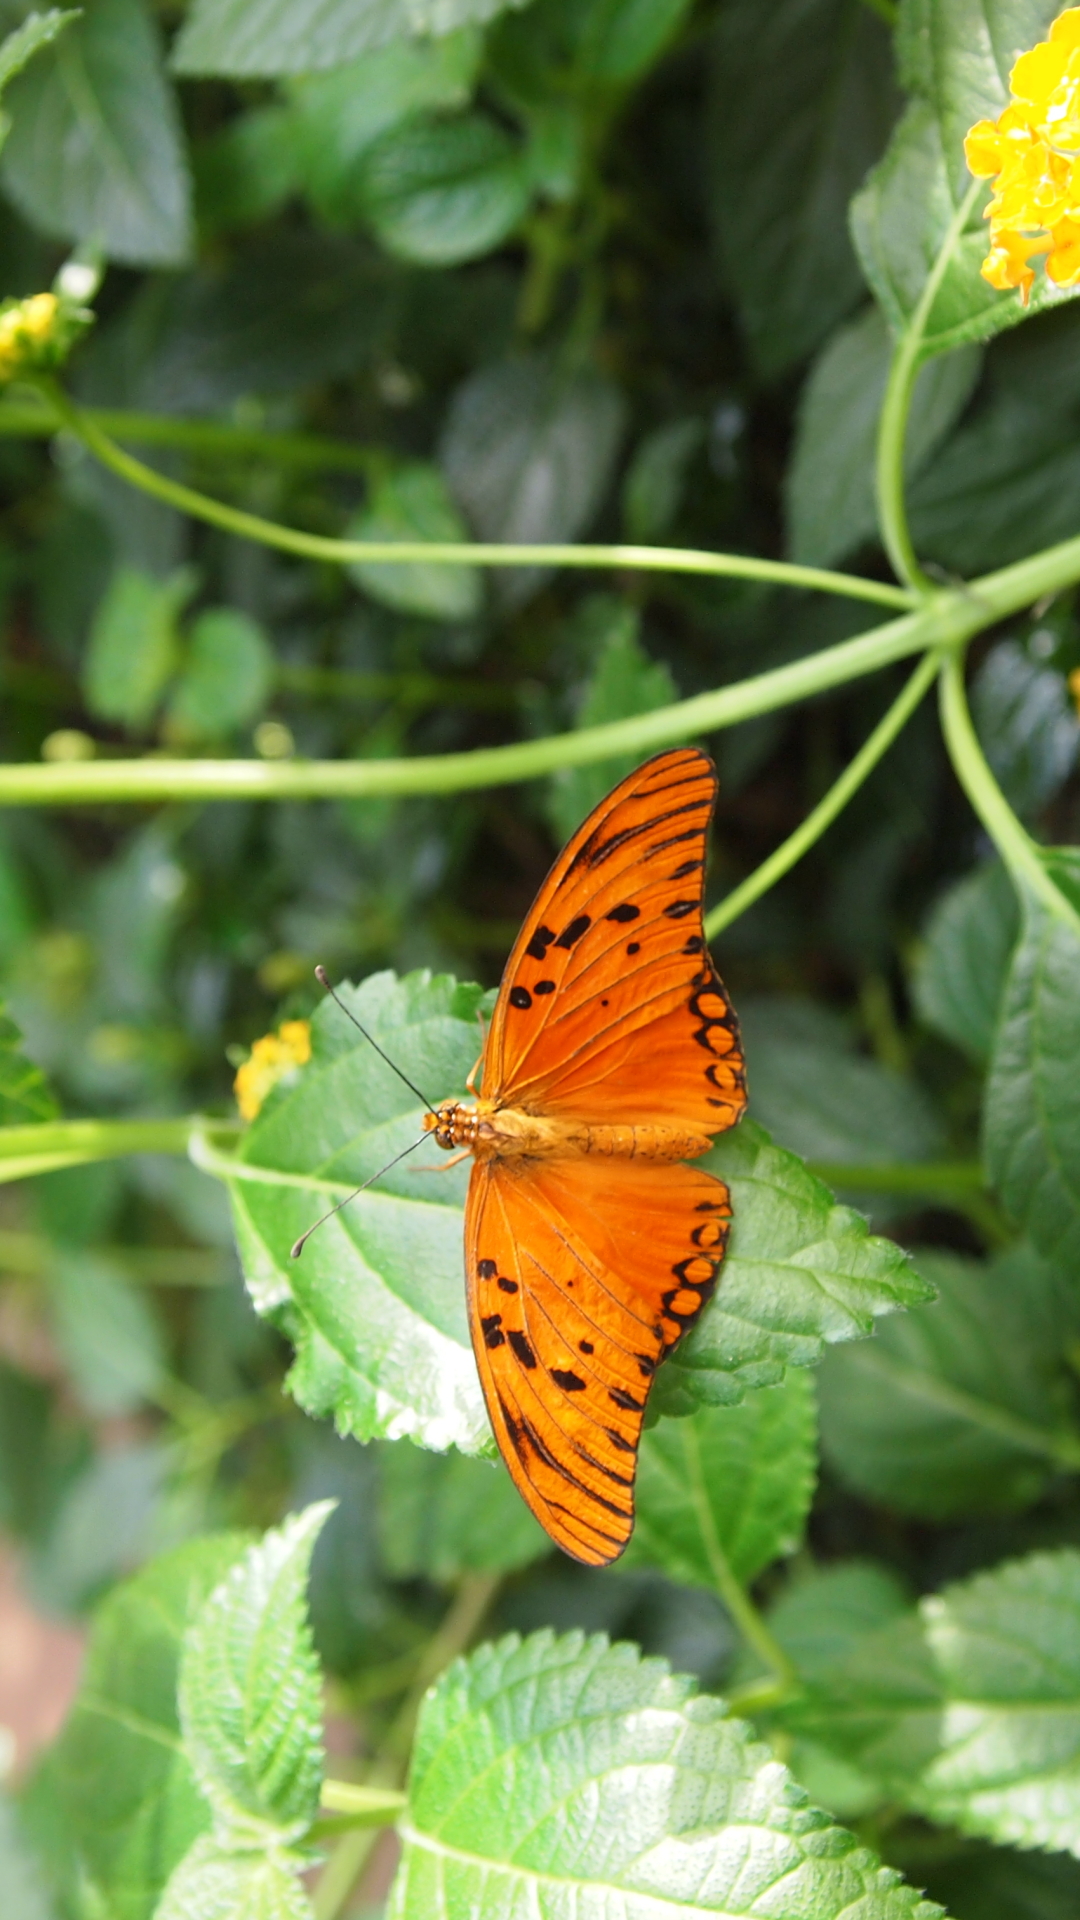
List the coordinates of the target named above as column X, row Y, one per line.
column 454, row 1123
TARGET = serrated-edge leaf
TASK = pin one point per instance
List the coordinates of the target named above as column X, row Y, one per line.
column 249, row 1692
column 37, row 30
column 212, row 1883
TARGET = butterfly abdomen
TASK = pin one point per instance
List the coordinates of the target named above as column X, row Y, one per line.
column 492, row 1132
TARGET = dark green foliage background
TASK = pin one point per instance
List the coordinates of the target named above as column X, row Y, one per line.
column 576, row 269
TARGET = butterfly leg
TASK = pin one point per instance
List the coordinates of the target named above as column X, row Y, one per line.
column 470, row 1084
column 444, row 1166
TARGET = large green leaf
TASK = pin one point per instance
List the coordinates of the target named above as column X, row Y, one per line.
column 441, row 191
column 830, row 485
column 213, row 1884
column 128, row 1798
column 558, row 1773
column 800, row 1272
column 963, row 963
column 624, row 681
column 444, row 1515
column 957, row 1407
column 38, row 30
column 413, row 503
column 528, row 450
column 959, row 54
column 95, row 153
column 376, row 1302
column 803, row 98
column 1027, row 725
column 25, row 1094
column 279, row 36
column 1032, row 1115
column 249, row 1693
column 728, row 1484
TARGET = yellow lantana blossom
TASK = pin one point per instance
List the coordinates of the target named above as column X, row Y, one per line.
column 1032, row 152
column 272, row 1057
column 25, row 328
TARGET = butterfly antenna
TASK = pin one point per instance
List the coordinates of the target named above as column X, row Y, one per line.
column 297, row 1247
column 323, row 979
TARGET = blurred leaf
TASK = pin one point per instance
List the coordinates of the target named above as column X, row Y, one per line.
column 131, row 916
column 528, row 450
column 964, row 58
column 107, row 1332
column 898, row 223
column 620, row 39
column 1027, row 725
column 38, row 30
column 623, row 682
column 247, row 170
column 733, row 1482
column 21, row 1877
column 95, row 153
column 830, row 485
column 225, row 679
column 126, row 1788
column 249, row 1693
column 803, row 96
column 444, row 190
column 376, row 1303
column 25, row 1094
column 444, row 1515
column 212, row 1883
column 664, row 1800
column 336, row 117
column 979, row 1882
column 800, row 1272
column 112, row 1517
column 253, row 37
column 414, row 503
column 957, row 1407
column 964, row 961
column 656, row 478
column 134, row 645
column 1032, row 1111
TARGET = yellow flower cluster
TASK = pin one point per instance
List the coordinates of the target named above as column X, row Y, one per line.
column 272, row 1057
column 25, row 328
column 1033, row 152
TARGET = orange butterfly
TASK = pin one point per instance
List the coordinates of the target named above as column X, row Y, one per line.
column 613, row 1055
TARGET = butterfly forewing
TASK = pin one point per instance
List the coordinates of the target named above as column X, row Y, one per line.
column 581, row 1276
column 609, row 1005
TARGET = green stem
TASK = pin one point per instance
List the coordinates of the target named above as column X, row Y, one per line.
column 72, row 1143
column 361, row 1806
column 408, row 689
column 729, row 1589
column 214, row 437
column 896, row 408
column 811, row 829
column 1016, row 847
column 314, row 546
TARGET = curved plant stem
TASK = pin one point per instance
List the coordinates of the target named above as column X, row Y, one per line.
column 1016, row 847
column 218, row 438
column 314, row 546
column 744, row 1614
column 811, row 829
column 896, row 408
column 72, row 1143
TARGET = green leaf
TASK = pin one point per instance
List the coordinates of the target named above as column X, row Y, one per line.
column 247, row 170
column 249, row 1692
column 225, row 680
column 656, row 478
column 898, row 223
column 569, row 1763
column 959, row 1406
column 624, row 682
column 336, row 117
column 444, row 190
column 1032, row 1113
column 376, row 1302
column 95, row 153
column 1006, row 1647
column 733, row 1483
column 107, row 1332
column 621, row 39
column 38, row 30
column 803, row 97
column 800, row 1272
column 134, row 645
column 25, row 1094
column 21, row 1876
column 965, row 52
column 129, row 1799
column 414, row 503
column 213, row 1884
column 267, row 37
column 528, row 450
column 830, row 487
column 1027, row 725
column 962, row 966
column 444, row 1515
column 981, row 1882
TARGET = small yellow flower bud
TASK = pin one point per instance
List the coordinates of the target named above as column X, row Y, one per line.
column 272, row 1058
column 1031, row 153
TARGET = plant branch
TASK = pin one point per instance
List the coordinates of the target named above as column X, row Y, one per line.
column 811, row 829
column 896, row 409
column 730, row 1590
column 72, row 1143
column 314, row 546
column 40, row 420
column 1015, row 845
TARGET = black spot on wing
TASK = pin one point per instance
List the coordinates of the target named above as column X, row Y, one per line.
column 540, row 942
column 586, row 1346
column 678, row 909
column 544, row 986
column 486, row 1269
column 492, row 1331
column 626, row 912
column 688, row 867
column 633, row 946
column 622, row 1399
column 569, row 1381
column 507, row 1286
column 522, row 1348
column 521, row 998
column 572, row 933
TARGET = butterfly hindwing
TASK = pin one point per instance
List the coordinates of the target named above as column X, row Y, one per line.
column 581, row 1275
column 610, row 1006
